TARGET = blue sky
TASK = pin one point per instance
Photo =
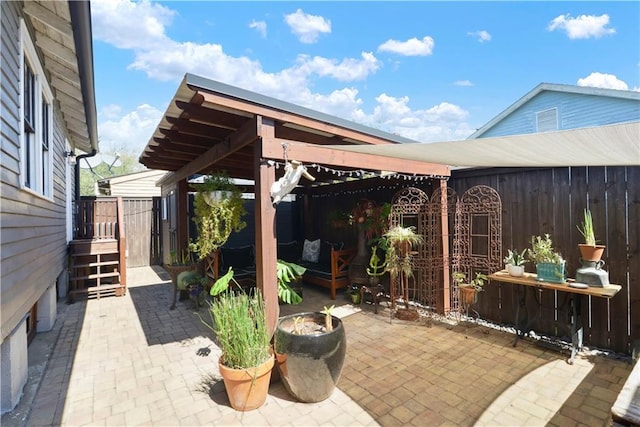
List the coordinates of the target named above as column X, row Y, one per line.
column 429, row 71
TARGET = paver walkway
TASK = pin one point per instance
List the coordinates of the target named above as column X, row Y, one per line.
column 132, row 361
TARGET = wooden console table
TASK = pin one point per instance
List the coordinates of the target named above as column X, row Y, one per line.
column 528, row 281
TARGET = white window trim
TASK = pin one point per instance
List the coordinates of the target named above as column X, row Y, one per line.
column 42, row 93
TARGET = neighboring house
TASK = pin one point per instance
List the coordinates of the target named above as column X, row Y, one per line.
column 48, row 117
column 554, row 107
column 136, row 184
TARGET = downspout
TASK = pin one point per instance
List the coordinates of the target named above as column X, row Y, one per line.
column 77, row 171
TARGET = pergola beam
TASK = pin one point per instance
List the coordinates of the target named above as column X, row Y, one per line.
column 272, row 148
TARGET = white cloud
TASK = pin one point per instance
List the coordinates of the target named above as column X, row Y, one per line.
column 130, row 25
column 442, row 122
column 411, row 47
column 129, row 132
column 463, row 83
column 307, row 27
column 582, row 27
column 260, row 27
column 603, row 81
column 349, row 69
column 164, row 59
column 483, row 36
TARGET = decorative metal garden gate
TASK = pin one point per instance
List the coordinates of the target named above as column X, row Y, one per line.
column 474, row 233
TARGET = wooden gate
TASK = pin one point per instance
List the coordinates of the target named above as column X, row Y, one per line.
column 142, row 222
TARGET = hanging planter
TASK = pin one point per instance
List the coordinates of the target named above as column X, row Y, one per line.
column 218, row 208
column 214, row 197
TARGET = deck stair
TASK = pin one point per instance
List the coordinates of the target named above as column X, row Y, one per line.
column 97, row 262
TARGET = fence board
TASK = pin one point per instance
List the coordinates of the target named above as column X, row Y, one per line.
column 599, row 316
column 615, row 233
column 633, row 254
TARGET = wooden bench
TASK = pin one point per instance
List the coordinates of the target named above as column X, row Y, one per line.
column 333, row 275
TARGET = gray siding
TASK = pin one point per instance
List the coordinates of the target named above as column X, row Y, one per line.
column 574, row 111
column 33, row 237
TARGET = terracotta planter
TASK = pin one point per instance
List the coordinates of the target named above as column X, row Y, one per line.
column 467, row 295
column 247, row 388
column 590, row 252
column 310, row 365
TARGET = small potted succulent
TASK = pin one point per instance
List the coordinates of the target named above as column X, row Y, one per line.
column 515, row 262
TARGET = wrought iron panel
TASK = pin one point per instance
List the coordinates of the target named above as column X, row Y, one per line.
column 477, row 242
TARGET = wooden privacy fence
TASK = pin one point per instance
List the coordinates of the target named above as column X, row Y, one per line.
column 539, row 201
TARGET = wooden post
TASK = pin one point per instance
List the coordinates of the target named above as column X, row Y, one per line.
column 265, row 217
column 444, row 222
column 182, row 212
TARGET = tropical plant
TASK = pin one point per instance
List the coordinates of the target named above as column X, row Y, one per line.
column 286, row 272
column 542, row 251
column 586, row 229
column 216, row 220
column 515, row 258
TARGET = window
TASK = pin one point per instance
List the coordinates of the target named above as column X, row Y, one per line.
column 37, row 128
column 547, row 120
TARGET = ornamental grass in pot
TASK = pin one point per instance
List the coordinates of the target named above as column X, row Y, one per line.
column 238, row 321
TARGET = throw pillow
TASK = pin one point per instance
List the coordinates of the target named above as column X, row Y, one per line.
column 311, row 250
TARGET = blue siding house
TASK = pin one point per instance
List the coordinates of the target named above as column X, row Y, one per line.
column 551, row 107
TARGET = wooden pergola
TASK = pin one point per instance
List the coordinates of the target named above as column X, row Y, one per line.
column 212, row 126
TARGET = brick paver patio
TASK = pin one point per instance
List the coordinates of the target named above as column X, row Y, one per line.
column 132, row 361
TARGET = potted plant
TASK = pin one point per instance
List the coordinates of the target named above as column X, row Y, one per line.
column 310, row 350
column 589, row 250
column 550, row 266
column 469, row 290
column 355, row 294
column 216, row 219
column 185, row 261
column 216, row 187
column 399, row 259
column 238, row 321
column 515, row 262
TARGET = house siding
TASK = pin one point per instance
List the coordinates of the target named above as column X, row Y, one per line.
column 33, row 238
column 574, row 111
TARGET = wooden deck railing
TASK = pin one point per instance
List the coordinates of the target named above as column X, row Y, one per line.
column 95, row 219
column 102, row 219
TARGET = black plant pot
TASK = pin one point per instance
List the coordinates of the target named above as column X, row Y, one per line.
column 310, row 364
